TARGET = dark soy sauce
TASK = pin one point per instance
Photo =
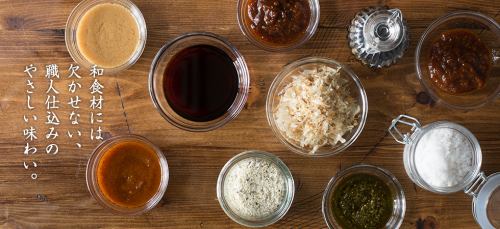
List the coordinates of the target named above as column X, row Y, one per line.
column 201, row 83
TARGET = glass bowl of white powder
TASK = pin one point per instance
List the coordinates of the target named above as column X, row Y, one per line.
column 255, row 189
column 441, row 157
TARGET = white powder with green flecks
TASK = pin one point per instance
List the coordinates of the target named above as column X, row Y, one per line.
column 254, row 188
column 443, row 157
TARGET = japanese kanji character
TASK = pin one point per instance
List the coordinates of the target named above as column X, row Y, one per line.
column 52, row 70
column 51, row 102
column 73, row 69
column 95, row 71
column 96, row 103
column 30, row 133
column 96, row 87
column 52, row 118
column 52, row 88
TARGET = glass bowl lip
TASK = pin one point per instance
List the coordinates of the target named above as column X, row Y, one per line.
column 313, row 26
column 288, row 199
column 284, row 73
column 410, row 150
column 437, row 22
column 93, row 187
column 242, row 70
column 75, row 16
column 354, row 170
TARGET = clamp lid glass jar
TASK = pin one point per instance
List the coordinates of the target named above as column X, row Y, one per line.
column 486, row 201
column 484, row 190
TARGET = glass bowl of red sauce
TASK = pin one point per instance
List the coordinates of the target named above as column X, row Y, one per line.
column 277, row 25
column 199, row 82
column 458, row 60
column 127, row 174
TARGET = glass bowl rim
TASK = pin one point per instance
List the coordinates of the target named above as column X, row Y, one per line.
column 79, row 11
column 310, row 31
column 354, row 169
column 288, row 198
column 423, row 38
column 242, row 69
column 94, row 189
column 285, row 73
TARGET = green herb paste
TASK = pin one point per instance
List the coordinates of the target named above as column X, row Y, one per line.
column 362, row 201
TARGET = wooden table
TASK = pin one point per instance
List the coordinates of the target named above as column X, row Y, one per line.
column 32, row 32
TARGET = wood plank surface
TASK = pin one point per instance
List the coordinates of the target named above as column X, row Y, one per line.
column 32, row 32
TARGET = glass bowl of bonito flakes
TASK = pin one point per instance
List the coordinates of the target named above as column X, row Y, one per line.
column 316, row 107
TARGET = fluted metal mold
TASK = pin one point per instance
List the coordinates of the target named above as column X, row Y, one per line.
column 377, row 59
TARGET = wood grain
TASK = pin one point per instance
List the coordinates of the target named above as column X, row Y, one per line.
column 33, row 32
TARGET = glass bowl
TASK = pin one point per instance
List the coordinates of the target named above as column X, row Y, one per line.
column 92, row 182
column 310, row 31
column 72, row 25
column 285, row 77
column 488, row 31
column 282, row 210
column 157, row 76
column 390, row 180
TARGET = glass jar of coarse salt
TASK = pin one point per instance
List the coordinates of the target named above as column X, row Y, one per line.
column 444, row 157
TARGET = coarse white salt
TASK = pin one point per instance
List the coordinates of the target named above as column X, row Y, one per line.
column 443, row 157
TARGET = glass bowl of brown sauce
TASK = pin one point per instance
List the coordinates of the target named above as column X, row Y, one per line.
column 278, row 25
column 457, row 60
column 364, row 196
column 127, row 174
column 199, row 82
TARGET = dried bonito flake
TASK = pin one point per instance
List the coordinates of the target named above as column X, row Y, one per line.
column 316, row 109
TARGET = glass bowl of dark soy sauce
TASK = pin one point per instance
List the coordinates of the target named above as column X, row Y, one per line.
column 199, row 81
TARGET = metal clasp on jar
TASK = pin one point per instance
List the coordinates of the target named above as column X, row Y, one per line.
column 403, row 138
column 476, row 185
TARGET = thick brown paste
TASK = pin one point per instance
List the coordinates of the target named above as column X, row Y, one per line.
column 459, row 62
column 278, row 22
column 129, row 174
column 108, row 35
